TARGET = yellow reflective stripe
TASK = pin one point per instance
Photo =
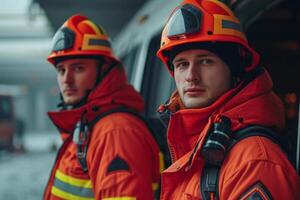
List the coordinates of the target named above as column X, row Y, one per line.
column 87, row 46
column 93, row 26
column 120, row 198
column 218, row 29
column 73, row 181
column 161, row 162
column 68, row 196
column 155, row 186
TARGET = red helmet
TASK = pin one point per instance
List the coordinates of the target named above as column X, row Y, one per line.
column 79, row 36
column 200, row 21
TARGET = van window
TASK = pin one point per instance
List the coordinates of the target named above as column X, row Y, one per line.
column 129, row 60
column 157, row 83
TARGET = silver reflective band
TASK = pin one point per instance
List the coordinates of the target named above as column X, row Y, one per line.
column 222, row 133
column 99, row 42
column 74, row 190
column 231, row 25
column 215, row 142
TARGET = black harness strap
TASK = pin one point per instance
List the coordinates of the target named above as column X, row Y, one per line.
column 259, row 131
column 209, row 182
column 210, row 173
column 84, row 136
column 115, row 110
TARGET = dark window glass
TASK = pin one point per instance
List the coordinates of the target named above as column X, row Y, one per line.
column 129, row 60
column 157, row 83
column 5, row 108
column 156, row 88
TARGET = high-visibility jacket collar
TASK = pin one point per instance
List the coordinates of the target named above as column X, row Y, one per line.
column 254, row 104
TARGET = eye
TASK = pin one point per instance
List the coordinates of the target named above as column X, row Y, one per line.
column 181, row 65
column 60, row 70
column 206, row 61
column 79, row 68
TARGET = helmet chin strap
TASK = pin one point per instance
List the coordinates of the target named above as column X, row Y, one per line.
column 104, row 68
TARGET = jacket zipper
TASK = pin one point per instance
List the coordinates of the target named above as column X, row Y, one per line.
column 172, row 152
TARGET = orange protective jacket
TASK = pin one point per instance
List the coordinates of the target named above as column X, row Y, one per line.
column 122, row 156
column 254, row 167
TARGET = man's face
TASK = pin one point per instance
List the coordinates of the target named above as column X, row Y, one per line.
column 201, row 77
column 75, row 78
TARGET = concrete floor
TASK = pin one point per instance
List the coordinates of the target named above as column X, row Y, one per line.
column 24, row 175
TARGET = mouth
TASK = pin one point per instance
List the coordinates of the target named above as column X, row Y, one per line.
column 194, row 91
column 69, row 91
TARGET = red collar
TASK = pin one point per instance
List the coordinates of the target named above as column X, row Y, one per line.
column 254, row 104
column 113, row 91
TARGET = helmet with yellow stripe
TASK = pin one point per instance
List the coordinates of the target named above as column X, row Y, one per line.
column 80, row 37
column 204, row 21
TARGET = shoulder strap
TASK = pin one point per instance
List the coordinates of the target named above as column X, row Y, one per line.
column 209, row 182
column 210, row 173
column 115, row 110
column 83, row 146
column 258, row 131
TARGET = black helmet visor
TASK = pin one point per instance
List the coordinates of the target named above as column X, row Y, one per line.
column 63, row 39
column 185, row 20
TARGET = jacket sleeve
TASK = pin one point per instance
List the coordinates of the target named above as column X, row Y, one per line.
column 123, row 164
column 268, row 176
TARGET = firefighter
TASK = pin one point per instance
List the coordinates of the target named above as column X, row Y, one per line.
column 108, row 151
column 222, row 93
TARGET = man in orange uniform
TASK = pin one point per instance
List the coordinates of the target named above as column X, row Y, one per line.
column 221, row 90
column 108, row 152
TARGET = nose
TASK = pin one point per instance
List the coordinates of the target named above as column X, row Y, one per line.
column 68, row 77
column 192, row 73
